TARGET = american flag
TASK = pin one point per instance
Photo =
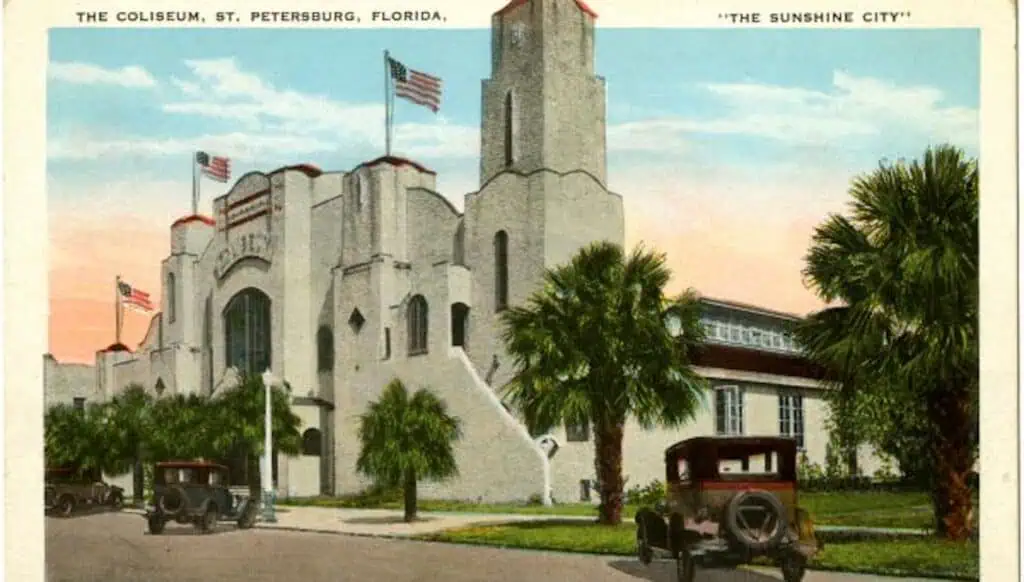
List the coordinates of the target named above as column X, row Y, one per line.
column 420, row 88
column 134, row 297
column 216, row 167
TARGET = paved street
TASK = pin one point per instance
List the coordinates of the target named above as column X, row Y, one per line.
column 110, row 547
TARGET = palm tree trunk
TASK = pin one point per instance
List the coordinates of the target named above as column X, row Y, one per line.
column 253, row 469
column 608, row 462
column 953, row 460
column 138, row 482
column 409, row 490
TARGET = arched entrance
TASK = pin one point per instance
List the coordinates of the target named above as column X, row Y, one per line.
column 247, row 341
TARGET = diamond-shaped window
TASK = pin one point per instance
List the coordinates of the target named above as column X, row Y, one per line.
column 356, row 320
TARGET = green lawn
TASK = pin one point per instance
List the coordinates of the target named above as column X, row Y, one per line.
column 897, row 510
column 919, row 557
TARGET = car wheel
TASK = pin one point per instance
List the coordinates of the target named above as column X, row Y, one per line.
column 643, row 547
column 247, row 517
column 156, row 524
column 50, row 498
column 66, row 506
column 756, row 519
column 793, row 568
column 208, row 521
column 685, row 567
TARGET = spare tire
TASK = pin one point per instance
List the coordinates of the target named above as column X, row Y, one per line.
column 756, row 520
column 173, row 501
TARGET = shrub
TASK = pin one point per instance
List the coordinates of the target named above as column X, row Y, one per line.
column 648, row 494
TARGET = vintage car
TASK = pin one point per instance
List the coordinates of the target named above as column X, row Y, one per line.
column 730, row 500
column 66, row 489
column 196, row 492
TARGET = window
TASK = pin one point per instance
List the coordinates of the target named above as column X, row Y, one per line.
column 728, row 410
column 324, row 349
column 247, row 332
column 509, row 130
column 172, row 302
column 356, row 320
column 159, row 388
column 500, row 270
column 357, row 191
column 79, row 403
column 417, row 325
column 791, row 417
column 577, row 433
column 460, row 321
column 387, row 343
column 311, row 442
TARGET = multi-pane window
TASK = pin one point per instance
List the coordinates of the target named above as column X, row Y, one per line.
column 79, row 403
column 728, row 410
column 791, row 417
column 577, row 433
column 417, row 325
column 324, row 349
column 247, row 332
column 737, row 333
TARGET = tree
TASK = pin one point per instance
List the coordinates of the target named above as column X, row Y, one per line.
column 404, row 440
column 234, row 423
column 74, row 438
column 600, row 343
column 900, row 272
column 128, row 430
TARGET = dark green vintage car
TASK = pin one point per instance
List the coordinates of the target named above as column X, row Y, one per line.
column 196, row 492
column 730, row 500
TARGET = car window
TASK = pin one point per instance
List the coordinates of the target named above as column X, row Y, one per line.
column 186, row 475
column 170, row 476
column 215, row 478
column 684, row 470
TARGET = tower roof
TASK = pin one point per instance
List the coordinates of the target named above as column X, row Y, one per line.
column 513, row 4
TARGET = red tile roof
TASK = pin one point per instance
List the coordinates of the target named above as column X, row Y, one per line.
column 517, row 3
column 193, row 218
column 307, row 169
column 396, row 161
column 117, row 347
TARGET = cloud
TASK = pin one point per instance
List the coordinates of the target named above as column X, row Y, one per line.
column 854, row 112
column 242, row 146
column 90, row 74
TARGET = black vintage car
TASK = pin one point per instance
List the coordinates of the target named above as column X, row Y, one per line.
column 730, row 500
column 68, row 488
column 196, row 492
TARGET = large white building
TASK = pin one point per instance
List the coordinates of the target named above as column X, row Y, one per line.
column 340, row 281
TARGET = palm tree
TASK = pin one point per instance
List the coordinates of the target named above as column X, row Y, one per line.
column 902, row 273
column 404, row 440
column 235, row 424
column 77, row 438
column 129, row 427
column 600, row 343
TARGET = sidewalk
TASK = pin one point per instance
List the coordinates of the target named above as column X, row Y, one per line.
column 389, row 523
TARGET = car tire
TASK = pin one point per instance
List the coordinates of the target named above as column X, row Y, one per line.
column 793, row 568
column 247, row 515
column 738, row 528
column 50, row 497
column 173, row 501
column 65, row 505
column 686, row 567
column 643, row 548
column 208, row 521
column 156, row 524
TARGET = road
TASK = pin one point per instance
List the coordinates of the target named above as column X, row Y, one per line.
column 111, row 547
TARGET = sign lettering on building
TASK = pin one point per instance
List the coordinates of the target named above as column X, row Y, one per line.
column 247, row 201
column 255, row 245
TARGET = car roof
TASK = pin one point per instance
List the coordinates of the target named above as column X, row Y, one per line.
column 753, row 444
column 190, row 465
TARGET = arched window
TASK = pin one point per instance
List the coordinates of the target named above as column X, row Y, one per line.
column 311, row 442
column 509, row 129
column 417, row 325
column 460, row 324
column 324, row 349
column 247, row 332
column 500, row 270
column 172, row 298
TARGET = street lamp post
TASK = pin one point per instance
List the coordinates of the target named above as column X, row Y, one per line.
column 268, row 446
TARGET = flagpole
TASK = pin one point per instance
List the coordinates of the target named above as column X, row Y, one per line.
column 118, row 316
column 195, row 186
column 387, row 103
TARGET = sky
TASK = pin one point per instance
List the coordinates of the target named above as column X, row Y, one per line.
column 728, row 146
